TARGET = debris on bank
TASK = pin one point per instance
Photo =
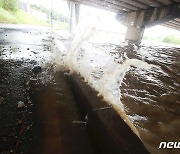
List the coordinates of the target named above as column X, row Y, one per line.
column 1, row 100
column 20, row 104
column 37, row 69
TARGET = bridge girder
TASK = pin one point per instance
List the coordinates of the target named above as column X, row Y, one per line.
column 137, row 15
column 137, row 21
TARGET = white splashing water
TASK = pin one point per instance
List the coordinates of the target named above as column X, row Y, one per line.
column 98, row 68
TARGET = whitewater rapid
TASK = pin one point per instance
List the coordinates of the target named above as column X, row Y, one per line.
column 96, row 66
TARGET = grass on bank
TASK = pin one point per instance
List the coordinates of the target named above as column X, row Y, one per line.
column 171, row 39
column 19, row 17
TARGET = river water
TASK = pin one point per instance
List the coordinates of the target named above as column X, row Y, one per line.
column 151, row 97
column 141, row 82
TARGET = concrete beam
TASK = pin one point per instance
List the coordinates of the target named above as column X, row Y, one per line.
column 125, row 5
column 115, row 4
column 173, row 25
column 165, row 2
column 150, row 17
column 175, row 22
column 169, row 26
column 135, row 3
column 136, row 21
column 93, row 3
column 162, row 15
column 134, row 34
column 110, row 4
column 151, row 3
column 177, row 19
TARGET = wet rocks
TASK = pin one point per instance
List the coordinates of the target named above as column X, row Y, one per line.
column 20, row 104
column 19, row 122
column 1, row 100
column 29, row 102
column 37, row 69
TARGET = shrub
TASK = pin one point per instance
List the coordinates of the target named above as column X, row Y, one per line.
column 10, row 5
column 172, row 39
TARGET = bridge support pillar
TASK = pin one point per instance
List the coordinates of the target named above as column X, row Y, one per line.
column 135, row 27
column 134, row 34
column 137, row 21
column 74, row 15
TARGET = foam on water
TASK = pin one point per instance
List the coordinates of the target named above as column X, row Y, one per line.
column 99, row 69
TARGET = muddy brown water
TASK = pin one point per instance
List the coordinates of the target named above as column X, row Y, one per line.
column 152, row 97
column 52, row 119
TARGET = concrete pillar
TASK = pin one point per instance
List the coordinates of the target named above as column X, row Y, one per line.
column 74, row 15
column 135, row 28
column 136, row 21
column 134, row 34
column 71, row 8
column 77, row 12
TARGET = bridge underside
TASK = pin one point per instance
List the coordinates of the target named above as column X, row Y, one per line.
column 139, row 14
column 174, row 24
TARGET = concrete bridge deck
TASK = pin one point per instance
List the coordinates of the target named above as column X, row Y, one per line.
column 127, row 5
column 138, row 14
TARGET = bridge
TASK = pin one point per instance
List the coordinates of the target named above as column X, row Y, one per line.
column 136, row 14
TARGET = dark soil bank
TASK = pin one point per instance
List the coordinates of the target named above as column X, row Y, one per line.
column 42, row 111
column 40, row 116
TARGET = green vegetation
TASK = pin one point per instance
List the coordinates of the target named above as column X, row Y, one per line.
column 10, row 5
column 60, row 21
column 172, row 39
column 157, row 39
column 61, row 25
column 9, row 13
column 25, row 18
column 56, row 16
column 19, row 17
column 6, row 16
